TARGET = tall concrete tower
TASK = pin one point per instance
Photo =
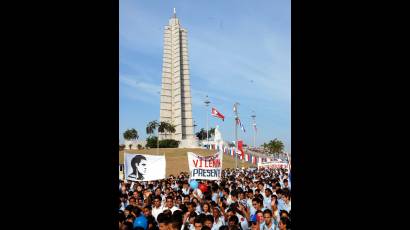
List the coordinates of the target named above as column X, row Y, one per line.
column 176, row 104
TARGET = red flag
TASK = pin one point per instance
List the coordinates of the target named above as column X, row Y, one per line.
column 240, row 142
column 216, row 113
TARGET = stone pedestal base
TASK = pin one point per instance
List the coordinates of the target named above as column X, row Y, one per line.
column 189, row 143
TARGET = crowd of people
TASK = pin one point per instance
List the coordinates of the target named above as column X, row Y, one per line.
column 243, row 199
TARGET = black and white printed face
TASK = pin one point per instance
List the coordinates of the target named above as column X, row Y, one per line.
column 142, row 166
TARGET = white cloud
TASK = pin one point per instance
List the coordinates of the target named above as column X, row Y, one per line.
column 138, row 90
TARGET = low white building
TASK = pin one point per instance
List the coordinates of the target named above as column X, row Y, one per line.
column 134, row 143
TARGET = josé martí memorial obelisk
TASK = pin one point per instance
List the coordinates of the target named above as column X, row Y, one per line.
column 175, row 103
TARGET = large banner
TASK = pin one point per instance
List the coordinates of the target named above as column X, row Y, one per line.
column 273, row 165
column 205, row 168
column 140, row 167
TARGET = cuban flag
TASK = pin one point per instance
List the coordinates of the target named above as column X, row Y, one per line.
column 217, row 114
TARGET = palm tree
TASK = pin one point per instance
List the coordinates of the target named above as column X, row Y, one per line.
column 151, row 126
column 211, row 132
column 201, row 134
column 165, row 127
column 130, row 134
column 170, row 128
column 265, row 146
column 276, row 146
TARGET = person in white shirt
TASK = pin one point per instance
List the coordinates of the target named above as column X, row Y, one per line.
column 231, row 212
column 257, row 205
column 218, row 219
column 269, row 223
column 267, row 199
column 197, row 205
column 249, row 202
column 286, row 204
column 206, row 209
column 215, row 194
column 233, row 197
column 286, row 184
column 275, row 209
column 124, row 201
column 185, row 189
column 158, row 208
column 225, row 194
column 178, row 202
column 170, row 204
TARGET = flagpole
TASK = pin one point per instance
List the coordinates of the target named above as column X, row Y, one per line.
column 207, row 103
column 254, row 130
column 235, row 109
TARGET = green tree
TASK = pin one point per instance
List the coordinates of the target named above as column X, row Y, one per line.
column 275, row 147
column 130, row 134
column 166, row 128
column 211, row 132
column 151, row 127
column 152, row 142
column 201, row 134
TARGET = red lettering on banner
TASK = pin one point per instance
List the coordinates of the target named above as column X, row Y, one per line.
column 210, row 163
column 195, row 162
column 200, row 165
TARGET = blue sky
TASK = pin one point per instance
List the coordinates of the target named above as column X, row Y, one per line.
column 238, row 51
